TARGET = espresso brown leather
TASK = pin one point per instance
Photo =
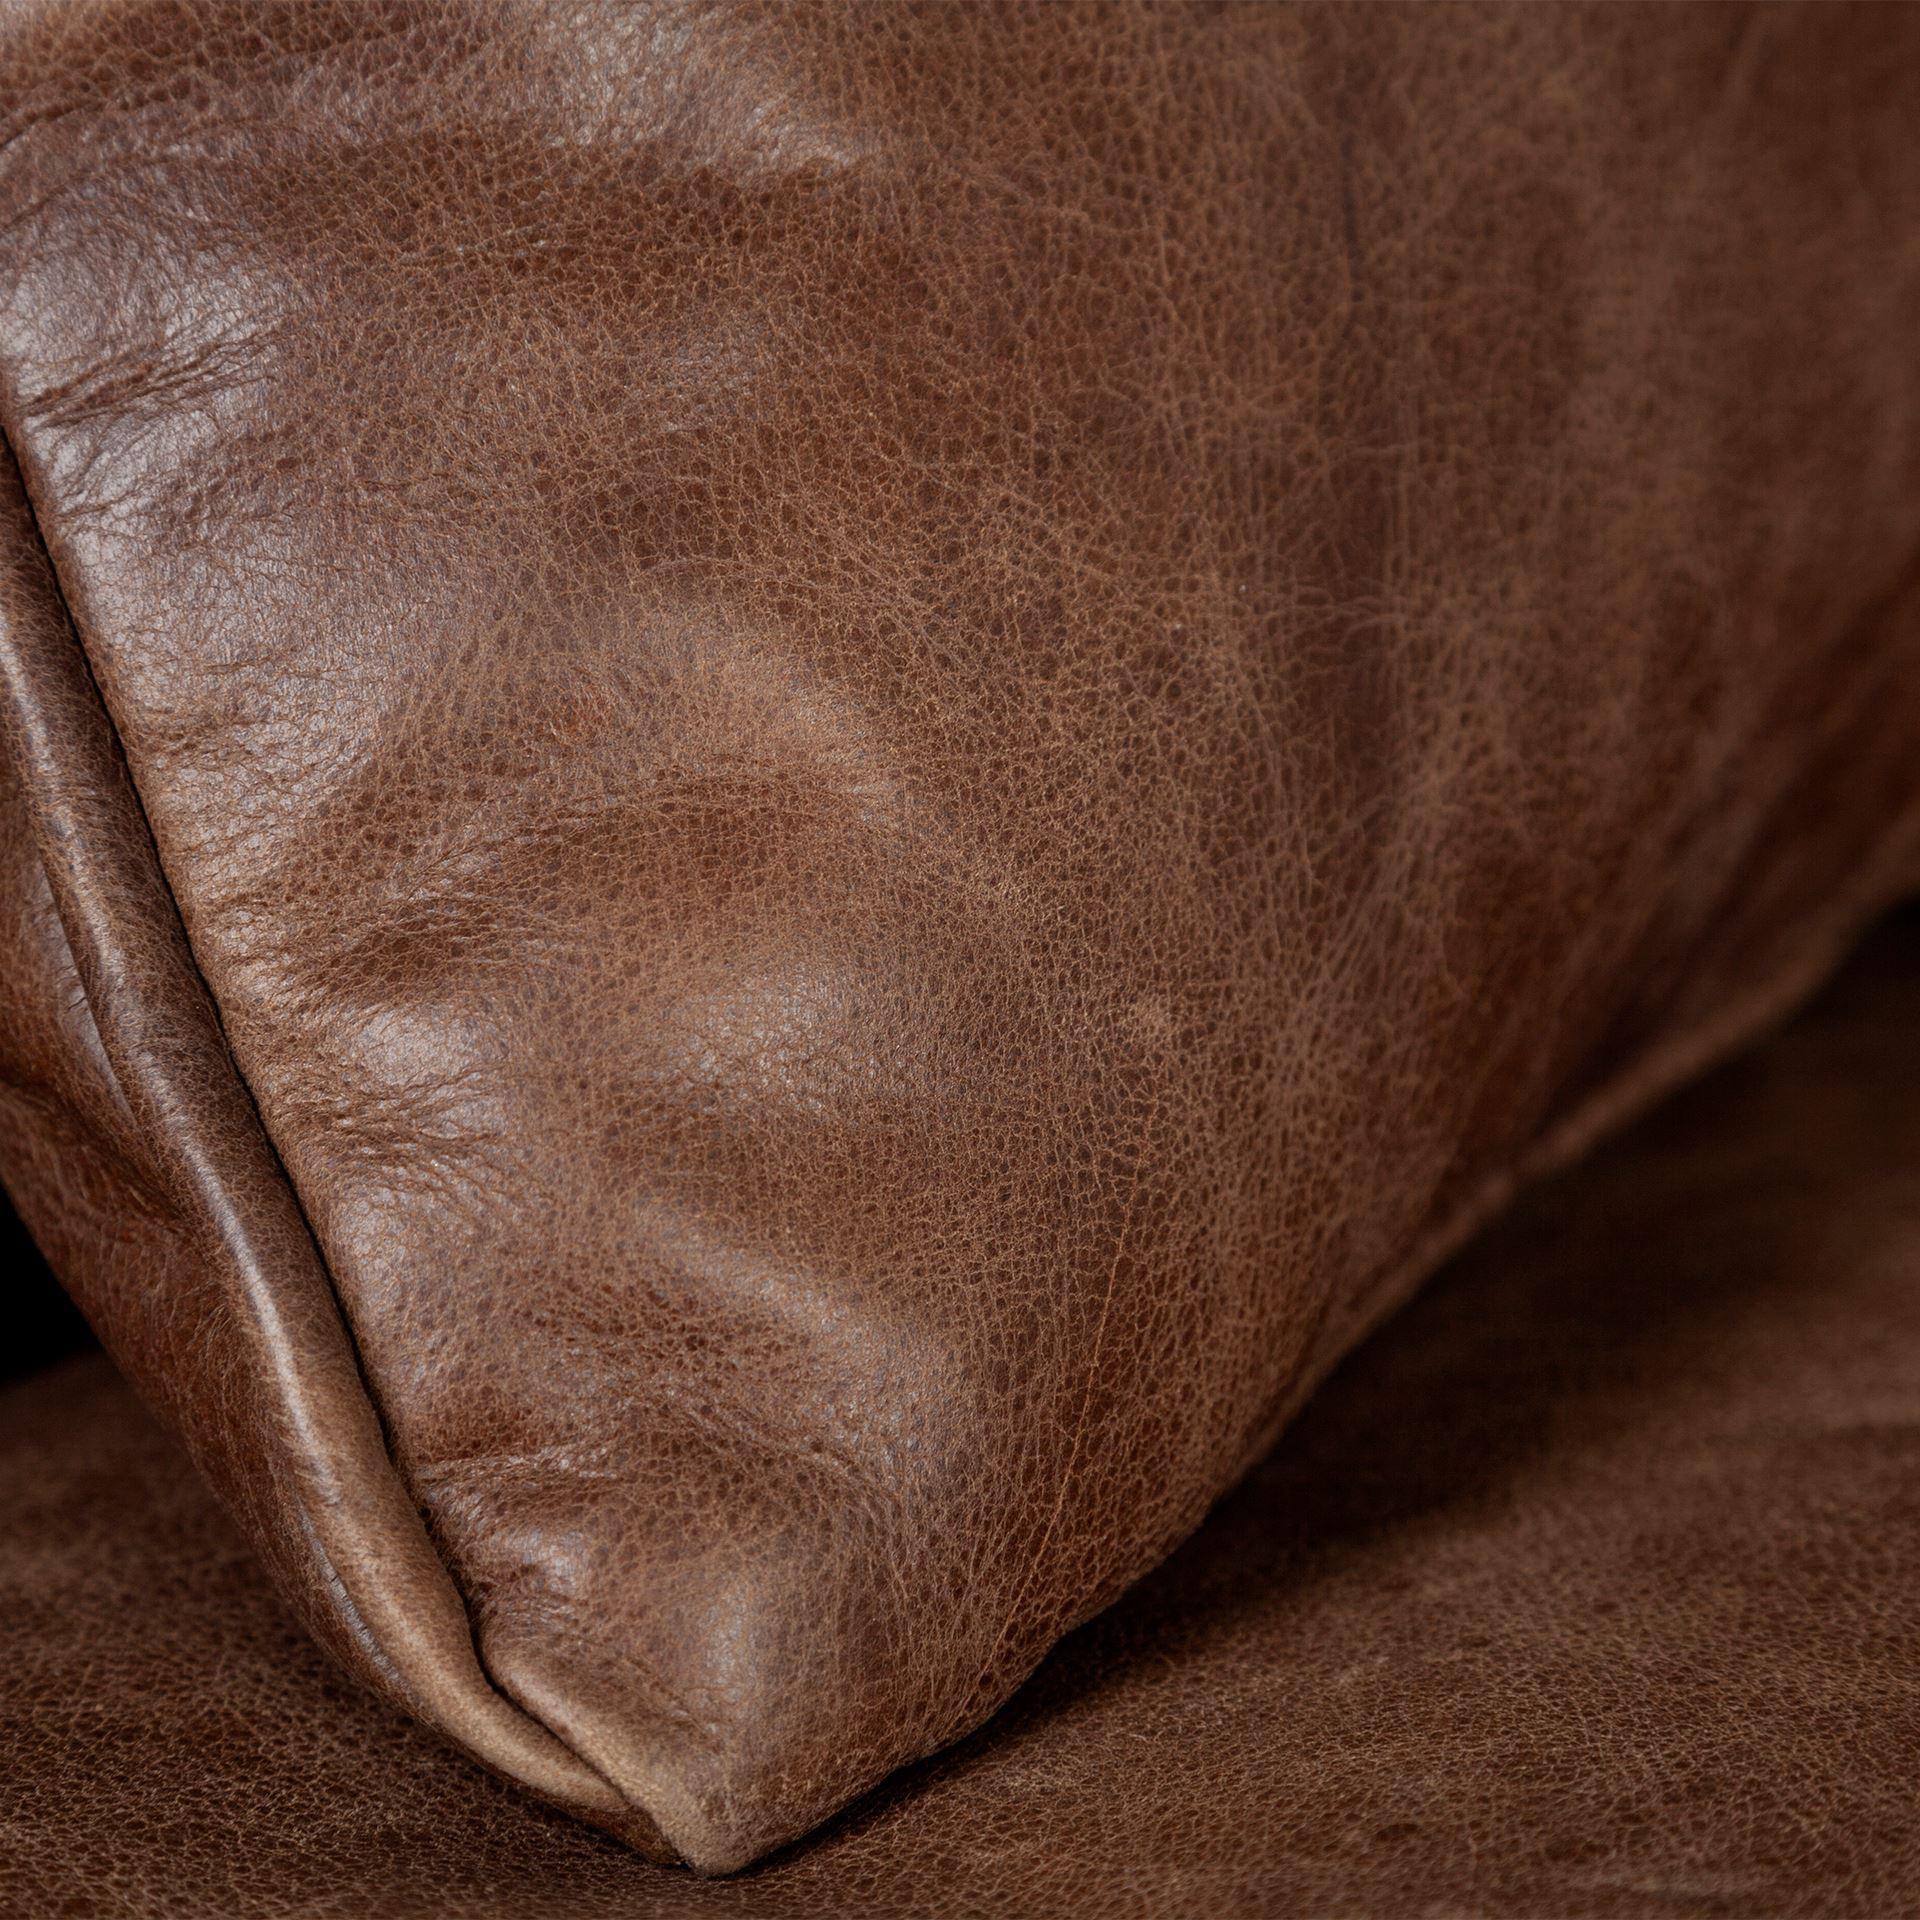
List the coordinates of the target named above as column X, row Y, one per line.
column 795, row 791
column 1586, row 1590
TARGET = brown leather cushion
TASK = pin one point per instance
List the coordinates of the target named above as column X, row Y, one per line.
column 791, row 793
column 1585, row 1590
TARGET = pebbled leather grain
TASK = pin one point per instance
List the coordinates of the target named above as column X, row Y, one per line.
column 1585, row 1590
column 797, row 790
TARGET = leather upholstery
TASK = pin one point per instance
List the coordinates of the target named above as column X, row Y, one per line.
column 1585, row 1590
column 795, row 792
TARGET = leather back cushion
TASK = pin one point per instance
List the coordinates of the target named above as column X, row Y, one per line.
column 792, row 793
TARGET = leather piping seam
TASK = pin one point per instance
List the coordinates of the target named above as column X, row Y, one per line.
column 335, row 1586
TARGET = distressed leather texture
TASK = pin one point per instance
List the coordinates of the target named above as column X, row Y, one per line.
column 791, row 793
column 1584, row 1590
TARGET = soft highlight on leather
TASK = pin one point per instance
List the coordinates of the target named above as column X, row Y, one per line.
column 1585, row 1590
column 796, row 791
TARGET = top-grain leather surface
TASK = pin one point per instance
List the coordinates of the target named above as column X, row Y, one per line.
column 1585, row 1592
column 833, row 774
